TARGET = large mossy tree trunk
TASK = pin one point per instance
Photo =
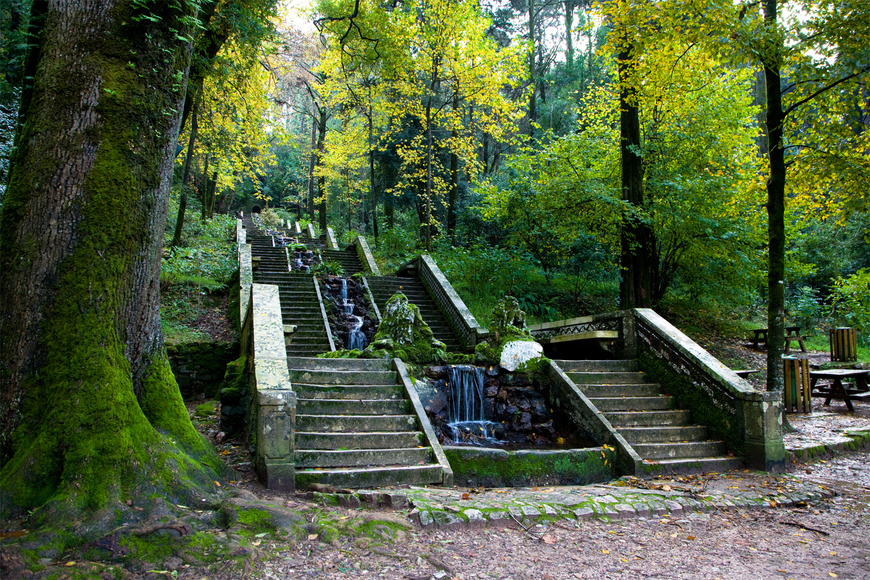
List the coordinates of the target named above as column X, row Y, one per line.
column 90, row 413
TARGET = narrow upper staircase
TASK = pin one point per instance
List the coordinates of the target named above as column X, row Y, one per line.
column 356, row 428
column 348, row 260
column 299, row 304
column 383, row 287
column 647, row 417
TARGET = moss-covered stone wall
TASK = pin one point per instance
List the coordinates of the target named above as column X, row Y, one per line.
column 199, row 367
column 477, row 467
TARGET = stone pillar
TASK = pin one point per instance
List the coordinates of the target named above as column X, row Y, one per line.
column 276, row 444
column 762, row 417
column 628, row 335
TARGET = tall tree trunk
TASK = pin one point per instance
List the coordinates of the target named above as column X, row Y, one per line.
column 312, row 162
column 372, row 186
column 569, row 33
column 533, row 78
column 428, row 210
column 212, row 187
column 188, row 159
column 203, row 188
column 636, row 237
column 321, row 180
column 90, row 413
column 454, row 176
column 775, row 212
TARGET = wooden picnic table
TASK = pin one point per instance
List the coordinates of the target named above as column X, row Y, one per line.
column 791, row 333
column 836, row 390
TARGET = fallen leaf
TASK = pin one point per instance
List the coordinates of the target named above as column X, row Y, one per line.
column 603, row 551
column 690, row 537
column 71, row 563
column 312, row 536
column 832, row 575
column 666, row 488
column 466, row 496
column 549, row 539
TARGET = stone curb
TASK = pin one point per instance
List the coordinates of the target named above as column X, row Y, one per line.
column 859, row 440
column 616, row 503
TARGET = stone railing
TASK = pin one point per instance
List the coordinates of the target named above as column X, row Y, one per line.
column 600, row 326
column 423, row 420
column 330, row 239
column 241, row 232
column 246, row 279
column 749, row 421
column 448, row 301
column 366, row 258
column 273, row 402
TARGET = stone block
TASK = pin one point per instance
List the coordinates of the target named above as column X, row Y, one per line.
column 476, row 520
column 584, row 513
column 624, row 511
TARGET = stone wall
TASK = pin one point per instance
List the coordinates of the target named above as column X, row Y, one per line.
column 199, row 367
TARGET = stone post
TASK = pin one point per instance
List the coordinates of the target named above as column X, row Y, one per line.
column 762, row 417
column 275, row 401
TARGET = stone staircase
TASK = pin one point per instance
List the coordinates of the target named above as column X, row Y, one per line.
column 647, row 418
column 348, row 260
column 383, row 287
column 355, row 428
column 299, row 304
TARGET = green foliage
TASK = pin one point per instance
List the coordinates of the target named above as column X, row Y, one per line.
column 329, row 268
column 851, row 301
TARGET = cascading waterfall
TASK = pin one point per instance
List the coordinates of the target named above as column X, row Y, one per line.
column 355, row 337
column 467, row 421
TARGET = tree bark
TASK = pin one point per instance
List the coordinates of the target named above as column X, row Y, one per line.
column 637, row 243
column 775, row 213
column 89, row 410
column 372, row 184
column 321, row 180
column 454, row 178
column 182, row 202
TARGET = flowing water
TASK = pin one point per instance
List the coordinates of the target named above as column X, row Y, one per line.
column 467, row 421
column 355, row 337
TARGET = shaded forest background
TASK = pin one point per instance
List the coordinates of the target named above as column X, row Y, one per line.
column 490, row 137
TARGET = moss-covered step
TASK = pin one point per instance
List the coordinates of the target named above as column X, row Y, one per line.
column 354, row 392
column 690, row 466
column 631, row 390
column 381, row 440
column 606, row 378
column 305, row 458
column 680, row 449
column 355, row 423
column 652, row 403
column 338, row 364
column 663, row 433
column 340, row 377
column 371, row 478
column 357, row 407
column 621, row 419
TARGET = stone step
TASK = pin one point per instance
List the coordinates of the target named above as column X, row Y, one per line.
column 657, row 403
column 340, row 364
column 353, row 406
column 338, row 377
column 356, row 423
column 357, row 392
column 631, row 390
column 688, row 466
column 308, row 458
column 679, row 449
column 648, row 418
column 372, row 440
column 616, row 365
column 660, row 434
column 371, row 478
column 303, row 350
column 605, row 378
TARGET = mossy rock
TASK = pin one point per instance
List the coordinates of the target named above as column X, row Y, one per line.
column 402, row 333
